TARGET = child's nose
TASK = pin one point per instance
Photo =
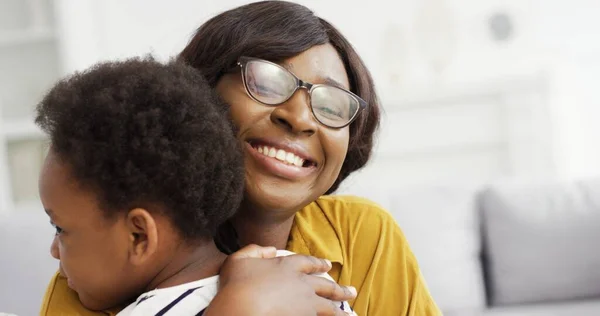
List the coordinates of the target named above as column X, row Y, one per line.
column 54, row 248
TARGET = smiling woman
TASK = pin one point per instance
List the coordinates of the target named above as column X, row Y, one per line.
column 306, row 112
column 290, row 126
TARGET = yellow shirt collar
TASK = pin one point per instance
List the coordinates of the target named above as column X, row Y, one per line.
column 313, row 234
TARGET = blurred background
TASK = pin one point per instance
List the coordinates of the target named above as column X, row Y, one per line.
column 491, row 107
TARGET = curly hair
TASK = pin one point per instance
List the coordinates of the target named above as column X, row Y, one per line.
column 139, row 133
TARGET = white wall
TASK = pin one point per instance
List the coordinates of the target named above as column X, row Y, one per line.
column 415, row 48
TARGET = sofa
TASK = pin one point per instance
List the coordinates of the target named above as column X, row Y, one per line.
column 511, row 248
column 505, row 249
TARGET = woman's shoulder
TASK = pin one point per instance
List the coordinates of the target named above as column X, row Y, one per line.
column 350, row 208
column 61, row 300
column 373, row 251
column 330, row 226
column 347, row 215
column 349, row 200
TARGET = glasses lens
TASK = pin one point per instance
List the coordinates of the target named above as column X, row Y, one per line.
column 268, row 83
column 332, row 106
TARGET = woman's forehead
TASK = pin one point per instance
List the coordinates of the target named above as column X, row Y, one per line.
column 319, row 64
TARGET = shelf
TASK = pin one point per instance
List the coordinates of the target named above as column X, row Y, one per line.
column 467, row 148
column 24, row 37
column 20, row 129
column 452, row 94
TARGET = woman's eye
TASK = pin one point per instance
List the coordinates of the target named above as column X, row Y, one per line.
column 268, row 90
column 330, row 112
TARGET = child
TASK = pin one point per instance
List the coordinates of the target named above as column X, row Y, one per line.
column 143, row 167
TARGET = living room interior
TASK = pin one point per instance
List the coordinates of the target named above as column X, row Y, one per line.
column 487, row 156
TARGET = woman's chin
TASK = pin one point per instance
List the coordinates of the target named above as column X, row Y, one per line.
column 273, row 197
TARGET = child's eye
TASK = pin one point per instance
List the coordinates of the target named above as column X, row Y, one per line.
column 58, row 229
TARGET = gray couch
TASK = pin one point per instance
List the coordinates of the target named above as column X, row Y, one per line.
column 504, row 250
column 507, row 249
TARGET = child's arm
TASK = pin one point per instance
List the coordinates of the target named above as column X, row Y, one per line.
column 277, row 286
column 267, row 286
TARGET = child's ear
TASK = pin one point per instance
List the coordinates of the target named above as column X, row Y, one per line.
column 143, row 235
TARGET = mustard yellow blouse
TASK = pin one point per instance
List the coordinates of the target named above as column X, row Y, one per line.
column 366, row 246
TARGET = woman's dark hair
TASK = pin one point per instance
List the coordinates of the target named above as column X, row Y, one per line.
column 275, row 31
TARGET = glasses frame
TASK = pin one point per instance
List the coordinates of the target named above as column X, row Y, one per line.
column 243, row 61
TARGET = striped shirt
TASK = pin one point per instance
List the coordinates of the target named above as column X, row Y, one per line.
column 189, row 299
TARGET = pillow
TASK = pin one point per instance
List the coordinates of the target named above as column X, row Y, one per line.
column 542, row 241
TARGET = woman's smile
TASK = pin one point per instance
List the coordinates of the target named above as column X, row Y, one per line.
column 281, row 160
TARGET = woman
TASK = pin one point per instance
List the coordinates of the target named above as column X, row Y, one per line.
column 306, row 111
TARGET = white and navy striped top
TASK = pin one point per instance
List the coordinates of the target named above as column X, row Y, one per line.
column 186, row 299
column 189, row 299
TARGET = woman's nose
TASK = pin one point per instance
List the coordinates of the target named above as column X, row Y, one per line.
column 295, row 115
column 54, row 248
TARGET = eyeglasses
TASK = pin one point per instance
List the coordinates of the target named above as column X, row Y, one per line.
column 271, row 84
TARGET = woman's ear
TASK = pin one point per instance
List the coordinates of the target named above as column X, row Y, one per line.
column 143, row 235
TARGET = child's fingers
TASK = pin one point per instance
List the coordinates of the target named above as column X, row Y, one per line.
column 327, row 307
column 328, row 289
column 306, row 264
column 255, row 252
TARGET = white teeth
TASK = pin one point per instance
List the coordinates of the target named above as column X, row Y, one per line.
column 298, row 161
column 281, row 155
column 289, row 158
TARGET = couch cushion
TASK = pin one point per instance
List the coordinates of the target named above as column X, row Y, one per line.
column 27, row 266
column 441, row 226
column 542, row 241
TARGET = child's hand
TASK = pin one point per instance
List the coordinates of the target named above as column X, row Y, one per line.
column 255, row 282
